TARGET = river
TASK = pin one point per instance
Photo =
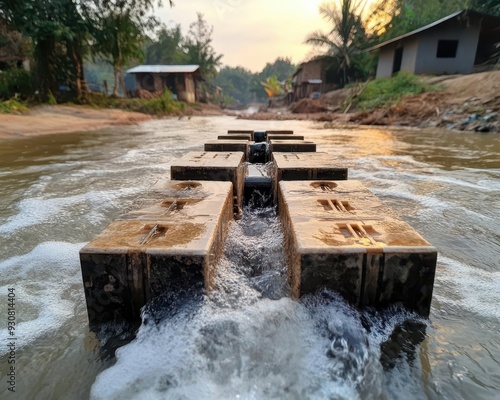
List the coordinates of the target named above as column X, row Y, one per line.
column 249, row 340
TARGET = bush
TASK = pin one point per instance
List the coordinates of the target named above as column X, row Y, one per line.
column 386, row 91
column 163, row 105
column 12, row 106
column 15, row 82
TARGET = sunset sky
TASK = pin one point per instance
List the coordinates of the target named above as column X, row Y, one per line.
column 251, row 33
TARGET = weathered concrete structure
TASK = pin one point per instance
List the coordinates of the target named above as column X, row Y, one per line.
column 295, row 146
column 170, row 245
column 338, row 235
column 342, row 238
column 228, row 145
column 235, row 136
column 307, row 166
column 213, row 166
column 279, row 136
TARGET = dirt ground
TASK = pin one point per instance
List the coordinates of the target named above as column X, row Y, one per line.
column 61, row 119
column 467, row 102
column 45, row 120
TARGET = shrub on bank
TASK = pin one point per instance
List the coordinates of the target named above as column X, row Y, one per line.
column 386, row 91
column 15, row 82
column 12, row 106
column 163, row 105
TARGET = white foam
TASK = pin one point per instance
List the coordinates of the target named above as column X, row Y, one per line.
column 44, row 281
column 39, row 210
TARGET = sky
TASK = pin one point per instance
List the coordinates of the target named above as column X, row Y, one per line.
column 251, row 33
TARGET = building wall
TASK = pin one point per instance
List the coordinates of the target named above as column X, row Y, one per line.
column 310, row 70
column 385, row 60
column 467, row 36
column 420, row 50
column 190, row 88
column 386, row 57
column 184, row 84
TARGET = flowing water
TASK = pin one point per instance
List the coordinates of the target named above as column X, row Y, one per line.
column 249, row 340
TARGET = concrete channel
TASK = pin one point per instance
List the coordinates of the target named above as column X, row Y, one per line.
column 339, row 235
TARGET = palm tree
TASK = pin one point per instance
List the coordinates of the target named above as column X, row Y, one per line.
column 347, row 36
column 272, row 86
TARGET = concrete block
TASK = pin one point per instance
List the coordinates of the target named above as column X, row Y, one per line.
column 238, row 131
column 236, row 136
column 228, row 145
column 293, row 146
column 301, row 166
column 171, row 245
column 275, row 136
column 280, row 132
column 340, row 237
column 213, row 166
column 334, row 200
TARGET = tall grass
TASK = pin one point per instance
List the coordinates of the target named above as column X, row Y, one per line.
column 386, row 91
column 163, row 105
column 12, row 106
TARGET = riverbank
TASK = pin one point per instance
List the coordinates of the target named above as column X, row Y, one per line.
column 46, row 119
column 464, row 102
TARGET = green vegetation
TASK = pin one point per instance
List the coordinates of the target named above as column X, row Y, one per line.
column 161, row 106
column 351, row 34
column 244, row 86
column 344, row 41
column 15, row 82
column 394, row 18
column 272, row 86
column 386, row 91
column 12, row 106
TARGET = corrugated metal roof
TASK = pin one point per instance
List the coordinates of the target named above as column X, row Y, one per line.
column 162, row 69
column 424, row 28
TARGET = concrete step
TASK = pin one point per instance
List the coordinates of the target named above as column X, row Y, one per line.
column 293, row 146
column 338, row 236
column 213, row 166
column 168, row 246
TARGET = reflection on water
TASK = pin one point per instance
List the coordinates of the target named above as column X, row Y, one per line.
column 249, row 339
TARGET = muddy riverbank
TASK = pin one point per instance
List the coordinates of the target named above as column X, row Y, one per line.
column 464, row 103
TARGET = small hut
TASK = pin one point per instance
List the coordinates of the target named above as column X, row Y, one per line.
column 181, row 80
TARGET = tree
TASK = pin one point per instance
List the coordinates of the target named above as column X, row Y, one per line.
column 58, row 33
column 167, row 48
column 199, row 47
column 282, row 68
column 347, row 37
column 236, row 83
column 394, row 18
column 119, row 39
column 272, row 86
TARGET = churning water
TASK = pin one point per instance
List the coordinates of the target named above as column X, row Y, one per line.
column 249, row 340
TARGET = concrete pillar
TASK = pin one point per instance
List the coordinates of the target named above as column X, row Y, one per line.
column 228, row 145
column 338, row 235
column 275, row 136
column 173, row 244
column 236, row 136
column 291, row 146
column 213, row 166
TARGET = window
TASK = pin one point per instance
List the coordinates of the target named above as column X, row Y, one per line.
column 447, row 49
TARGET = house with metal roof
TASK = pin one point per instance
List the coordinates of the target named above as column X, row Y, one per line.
column 451, row 45
column 310, row 79
column 181, row 80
